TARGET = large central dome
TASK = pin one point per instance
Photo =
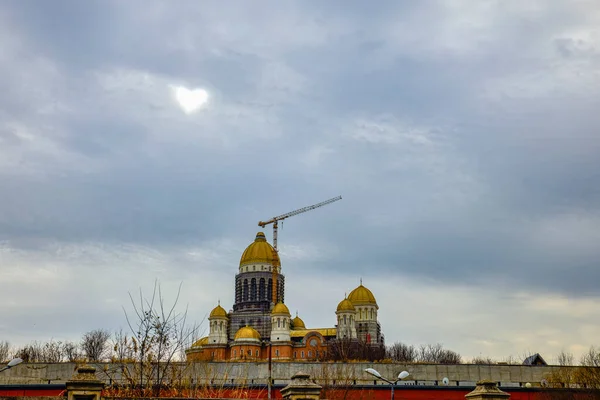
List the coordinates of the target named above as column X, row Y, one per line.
column 260, row 251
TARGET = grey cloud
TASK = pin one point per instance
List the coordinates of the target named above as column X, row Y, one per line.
column 453, row 144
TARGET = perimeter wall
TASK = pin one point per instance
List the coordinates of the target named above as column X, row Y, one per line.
column 217, row 373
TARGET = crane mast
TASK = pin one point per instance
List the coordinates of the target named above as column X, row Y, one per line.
column 275, row 221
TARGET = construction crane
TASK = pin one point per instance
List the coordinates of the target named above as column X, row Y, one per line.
column 275, row 221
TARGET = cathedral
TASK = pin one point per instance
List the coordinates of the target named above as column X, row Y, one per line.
column 259, row 326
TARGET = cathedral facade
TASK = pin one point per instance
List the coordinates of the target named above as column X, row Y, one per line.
column 259, row 325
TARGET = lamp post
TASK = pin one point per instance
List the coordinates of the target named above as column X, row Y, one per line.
column 12, row 363
column 377, row 375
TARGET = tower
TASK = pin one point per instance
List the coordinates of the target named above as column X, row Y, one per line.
column 218, row 322
column 254, row 288
column 346, row 313
column 367, row 326
column 281, row 345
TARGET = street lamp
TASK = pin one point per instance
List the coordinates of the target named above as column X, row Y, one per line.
column 12, row 363
column 377, row 375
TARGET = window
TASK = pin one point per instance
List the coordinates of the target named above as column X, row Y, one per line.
column 249, row 352
column 262, row 289
column 309, row 354
column 245, row 289
column 302, row 353
column 284, row 320
column 254, row 268
column 253, row 291
column 212, row 354
column 277, row 353
column 256, row 353
column 345, row 320
column 235, row 353
column 371, row 313
column 279, row 322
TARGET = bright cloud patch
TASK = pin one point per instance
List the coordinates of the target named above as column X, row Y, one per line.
column 190, row 100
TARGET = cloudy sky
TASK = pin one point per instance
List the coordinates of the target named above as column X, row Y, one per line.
column 464, row 137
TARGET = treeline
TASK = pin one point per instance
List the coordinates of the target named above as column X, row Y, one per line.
column 95, row 346
column 428, row 353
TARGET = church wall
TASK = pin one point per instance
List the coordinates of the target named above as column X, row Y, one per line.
column 245, row 352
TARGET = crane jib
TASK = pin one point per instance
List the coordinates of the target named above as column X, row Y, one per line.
column 275, row 293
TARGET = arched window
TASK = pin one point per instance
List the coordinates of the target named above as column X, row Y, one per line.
column 253, row 289
column 279, row 322
column 245, row 289
column 345, row 320
column 221, row 326
column 238, row 291
column 284, row 321
column 269, row 289
column 371, row 313
column 261, row 289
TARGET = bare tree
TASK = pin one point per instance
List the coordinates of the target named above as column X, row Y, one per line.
column 71, row 351
column 159, row 334
column 565, row 359
column 450, row 357
column 589, row 373
column 481, row 360
column 401, row 352
column 4, row 351
column 122, row 347
column 29, row 353
column 94, row 344
column 435, row 353
column 49, row 352
column 52, row 352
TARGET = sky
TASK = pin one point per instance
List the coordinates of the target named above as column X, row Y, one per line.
column 463, row 137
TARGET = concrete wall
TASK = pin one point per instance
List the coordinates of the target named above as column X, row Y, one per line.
column 328, row 373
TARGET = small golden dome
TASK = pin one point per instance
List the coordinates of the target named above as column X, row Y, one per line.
column 260, row 251
column 297, row 323
column 247, row 332
column 201, row 342
column 362, row 296
column 280, row 308
column 218, row 311
column 345, row 305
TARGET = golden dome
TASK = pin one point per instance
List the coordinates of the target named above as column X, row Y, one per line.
column 297, row 323
column 345, row 305
column 201, row 342
column 280, row 308
column 361, row 296
column 218, row 311
column 247, row 332
column 260, row 251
